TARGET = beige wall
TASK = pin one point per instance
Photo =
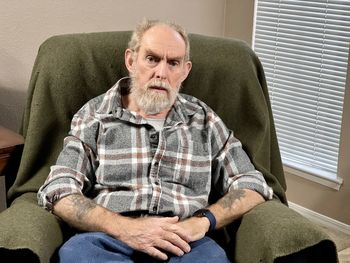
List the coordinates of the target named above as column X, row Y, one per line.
column 24, row 25
column 239, row 19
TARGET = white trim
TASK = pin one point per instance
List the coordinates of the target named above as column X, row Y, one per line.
column 332, row 183
column 320, row 219
column 254, row 22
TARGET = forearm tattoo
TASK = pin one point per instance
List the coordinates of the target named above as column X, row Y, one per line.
column 228, row 200
column 81, row 205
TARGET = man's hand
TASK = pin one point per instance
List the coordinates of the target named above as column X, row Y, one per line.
column 154, row 236
column 196, row 227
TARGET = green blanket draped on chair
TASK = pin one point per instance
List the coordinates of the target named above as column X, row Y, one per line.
column 227, row 75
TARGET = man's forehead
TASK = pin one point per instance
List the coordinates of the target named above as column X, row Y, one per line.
column 161, row 52
column 163, row 39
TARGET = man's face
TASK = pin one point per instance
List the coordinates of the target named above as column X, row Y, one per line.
column 157, row 69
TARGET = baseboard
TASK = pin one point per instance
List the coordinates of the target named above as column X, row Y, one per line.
column 320, row 219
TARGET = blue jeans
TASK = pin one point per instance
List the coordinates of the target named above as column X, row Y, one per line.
column 97, row 247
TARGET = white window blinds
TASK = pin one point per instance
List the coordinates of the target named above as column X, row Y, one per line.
column 303, row 46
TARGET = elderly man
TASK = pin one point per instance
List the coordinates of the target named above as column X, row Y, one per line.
column 141, row 160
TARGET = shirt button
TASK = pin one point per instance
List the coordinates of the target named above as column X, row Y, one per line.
column 154, row 138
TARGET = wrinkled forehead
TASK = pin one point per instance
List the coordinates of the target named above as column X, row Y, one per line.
column 163, row 40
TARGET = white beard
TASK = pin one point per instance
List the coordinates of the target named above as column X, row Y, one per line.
column 151, row 101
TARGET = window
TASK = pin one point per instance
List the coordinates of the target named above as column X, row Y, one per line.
column 304, row 47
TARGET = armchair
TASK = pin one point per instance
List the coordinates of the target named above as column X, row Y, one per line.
column 227, row 75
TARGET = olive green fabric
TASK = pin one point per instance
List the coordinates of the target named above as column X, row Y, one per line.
column 226, row 74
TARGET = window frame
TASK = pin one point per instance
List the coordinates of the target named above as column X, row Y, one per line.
column 334, row 183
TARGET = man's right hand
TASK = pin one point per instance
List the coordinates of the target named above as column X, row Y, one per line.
column 155, row 236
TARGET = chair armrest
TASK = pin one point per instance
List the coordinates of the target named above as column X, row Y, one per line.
column 29, row 233
column 272, row 230
column 11, row 146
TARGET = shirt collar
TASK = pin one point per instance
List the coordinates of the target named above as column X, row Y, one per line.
column 112, row 100
column 183, row 108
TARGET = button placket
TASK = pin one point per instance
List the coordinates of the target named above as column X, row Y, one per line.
column 156, row 142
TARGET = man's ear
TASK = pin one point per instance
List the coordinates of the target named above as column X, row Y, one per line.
column 187, row 69
column 129, row 59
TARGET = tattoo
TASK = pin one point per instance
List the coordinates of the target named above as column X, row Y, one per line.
column 228, row 200
column 82, row 205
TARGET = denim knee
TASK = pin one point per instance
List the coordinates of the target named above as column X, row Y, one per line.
column 94, row 247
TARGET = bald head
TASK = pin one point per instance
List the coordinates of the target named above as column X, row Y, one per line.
column 146, row 25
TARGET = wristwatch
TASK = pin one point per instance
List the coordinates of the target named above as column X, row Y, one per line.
column 206, row 213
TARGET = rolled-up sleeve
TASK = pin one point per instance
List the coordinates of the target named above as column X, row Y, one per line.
column 76, row 164
column 232, row 168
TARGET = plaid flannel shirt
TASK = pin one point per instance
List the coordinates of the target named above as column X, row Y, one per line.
column 124, row 164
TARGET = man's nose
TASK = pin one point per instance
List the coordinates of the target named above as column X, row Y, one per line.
column 161, row 70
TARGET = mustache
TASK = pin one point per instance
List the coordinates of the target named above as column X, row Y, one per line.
column 158, row 84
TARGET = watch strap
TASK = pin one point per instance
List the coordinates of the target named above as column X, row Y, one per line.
column 206, row 213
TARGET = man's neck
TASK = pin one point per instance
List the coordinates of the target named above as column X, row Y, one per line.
column 132, row 106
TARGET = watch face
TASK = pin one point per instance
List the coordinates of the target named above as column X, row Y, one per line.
column 206, row 213
column 201, row 212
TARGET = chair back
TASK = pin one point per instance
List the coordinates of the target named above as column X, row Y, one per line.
column 71, row 69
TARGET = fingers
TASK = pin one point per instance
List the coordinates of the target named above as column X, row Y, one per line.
column 175, row 244
column 171, row 244
column 175, row 227
column 156, row 253
column 193, row 228
column 183, row 233
column 157, row 236
column 170, row 238
column 168, row 247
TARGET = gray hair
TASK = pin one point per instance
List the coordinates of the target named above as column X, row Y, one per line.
column 144, row 25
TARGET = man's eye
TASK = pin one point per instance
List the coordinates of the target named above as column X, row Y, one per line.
column 174, row 63
column 151, row 59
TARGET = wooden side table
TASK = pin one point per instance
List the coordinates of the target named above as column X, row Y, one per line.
column 11, row 145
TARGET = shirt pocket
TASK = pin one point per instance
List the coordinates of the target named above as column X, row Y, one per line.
column 194, row 148
column 192, row 167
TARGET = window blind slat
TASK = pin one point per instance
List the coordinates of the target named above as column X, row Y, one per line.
column 305, row 141
column 329, row 87
column 313, row 74
column 326, row 132
column 337, row 45
column 306, row 102
column 311, row 160
column 297, row 153
column 322, row 154
column 305, row 132
column 293, row 156
column 304, row 31
column 291, row 50
column 323, row 88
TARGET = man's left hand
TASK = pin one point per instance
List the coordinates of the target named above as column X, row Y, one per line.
column 196, row 227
